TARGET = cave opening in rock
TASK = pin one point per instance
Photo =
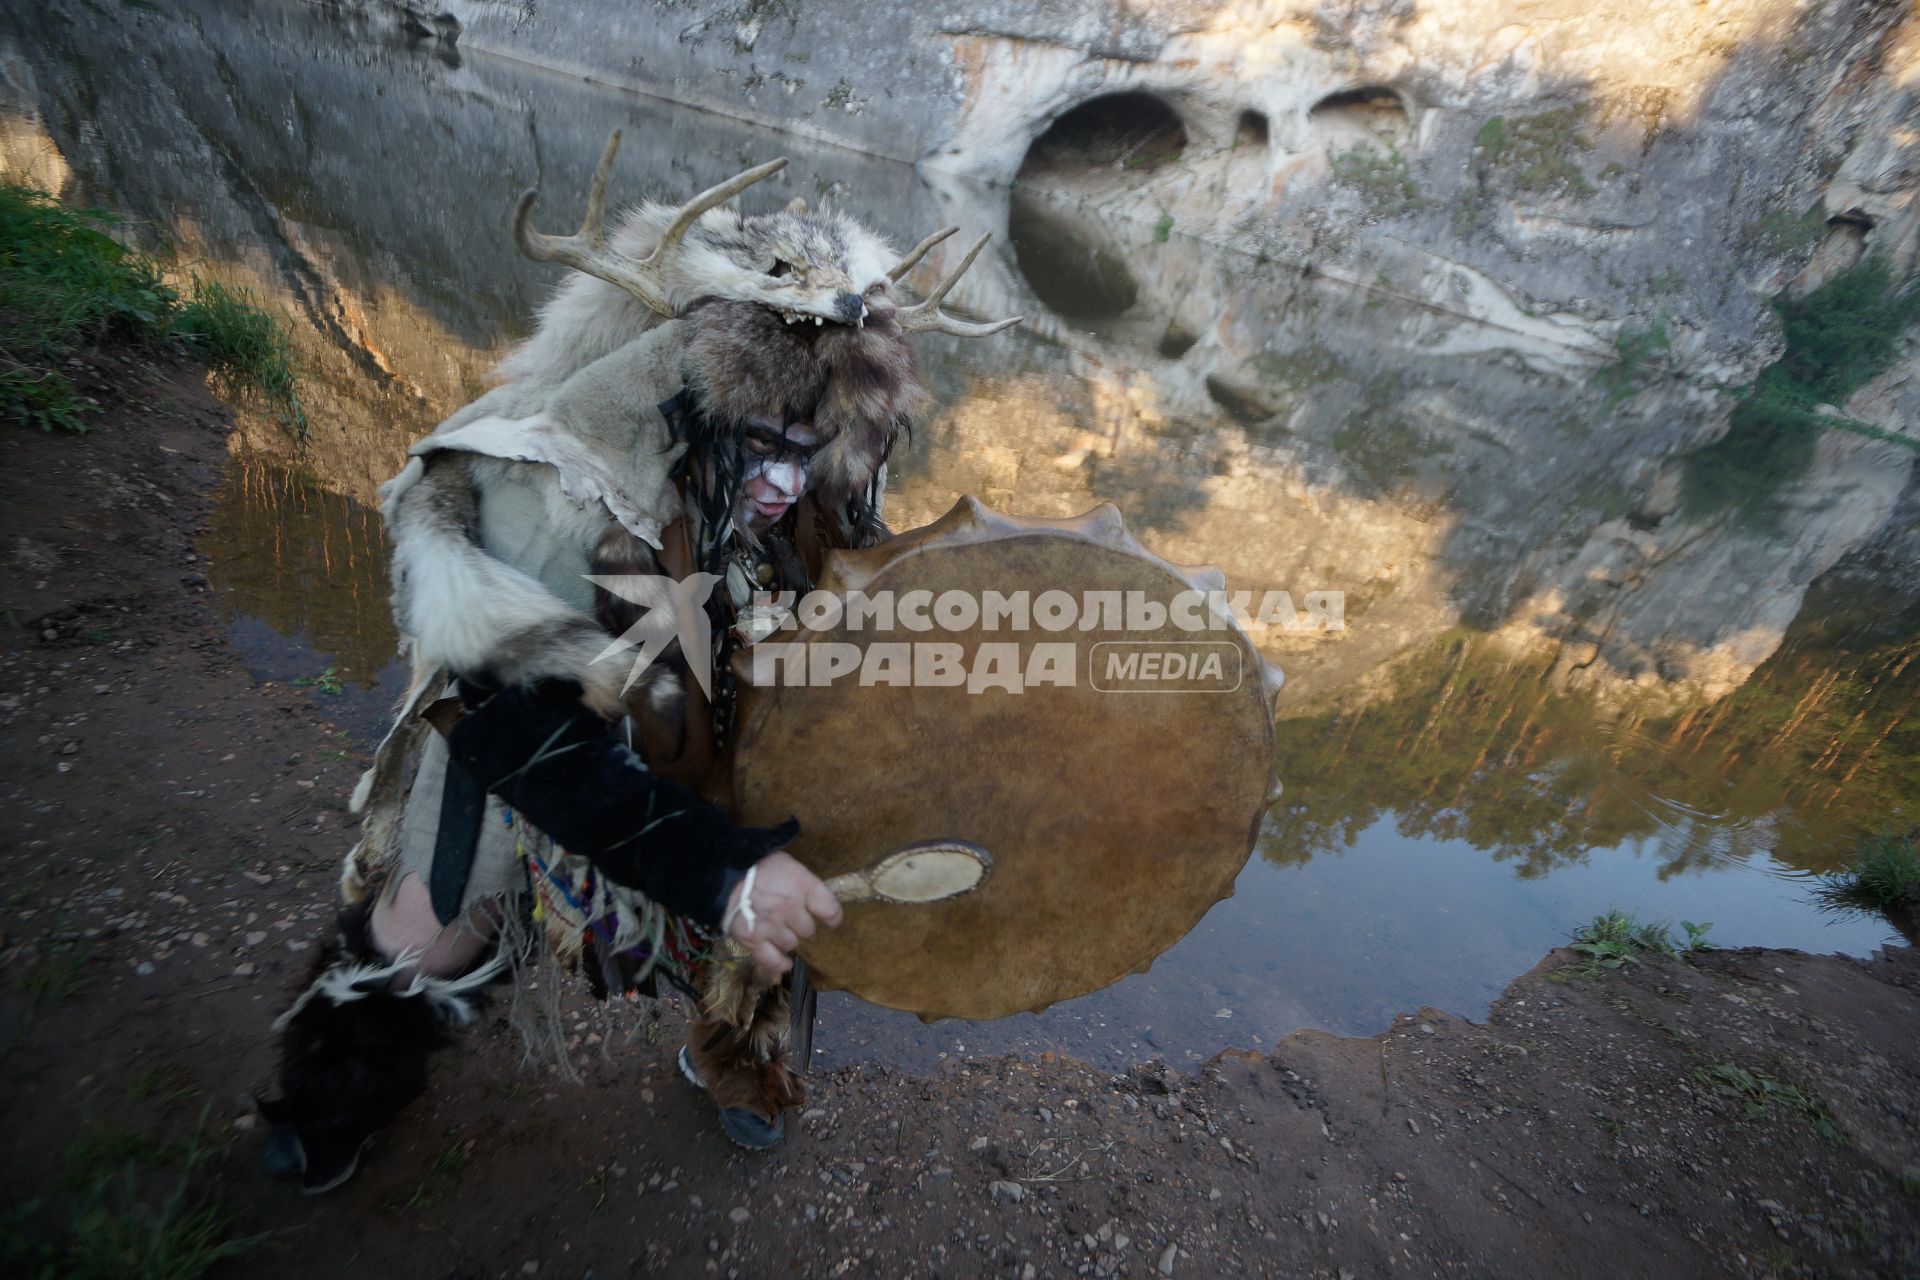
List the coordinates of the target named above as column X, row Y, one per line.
column 1176, row 341
column 1369, row 110
column 1118, row 131
column 1840, row 249
column 1252, row 129
column 1067, row 269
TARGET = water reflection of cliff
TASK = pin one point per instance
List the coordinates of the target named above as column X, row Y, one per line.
column 309, row 562
column 1473, row 744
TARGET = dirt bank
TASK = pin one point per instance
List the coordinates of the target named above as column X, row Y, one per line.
column 172, row 828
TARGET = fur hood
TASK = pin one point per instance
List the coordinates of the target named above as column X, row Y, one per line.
column 859, row 386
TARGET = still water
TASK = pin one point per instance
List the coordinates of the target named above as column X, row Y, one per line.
column 1463, row 787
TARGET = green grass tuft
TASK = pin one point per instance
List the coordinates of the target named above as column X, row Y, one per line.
column 1536, row 152
column 1637, row 348
column 140, row 1211
column 1381, row 177
column 327, row 682
column 1616, row 938
column 1884, row 876
column 66, row 285
column 247, row 349
column 1761, row 1094
column 1780, row 234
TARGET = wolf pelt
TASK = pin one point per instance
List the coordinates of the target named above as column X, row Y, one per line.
column 726, row 255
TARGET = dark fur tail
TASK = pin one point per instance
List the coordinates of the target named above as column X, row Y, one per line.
column 353, row 1052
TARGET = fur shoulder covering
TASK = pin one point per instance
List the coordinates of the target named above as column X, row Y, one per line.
column 468, row 611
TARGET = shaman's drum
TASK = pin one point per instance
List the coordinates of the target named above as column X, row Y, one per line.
column 1114, row 755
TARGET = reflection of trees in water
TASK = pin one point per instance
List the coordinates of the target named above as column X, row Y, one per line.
column 1473, row 745
column 307, row 562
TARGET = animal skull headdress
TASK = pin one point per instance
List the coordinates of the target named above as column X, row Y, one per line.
column 790, row 314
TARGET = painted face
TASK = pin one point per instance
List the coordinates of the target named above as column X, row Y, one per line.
column 777, row 460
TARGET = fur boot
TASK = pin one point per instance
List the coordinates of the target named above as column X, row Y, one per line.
column 739, row 1044
column 353, row 1052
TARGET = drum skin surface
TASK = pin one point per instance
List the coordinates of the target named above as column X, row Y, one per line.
column 1115, row 816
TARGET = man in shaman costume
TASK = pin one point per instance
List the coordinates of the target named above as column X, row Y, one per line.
column 723, row 406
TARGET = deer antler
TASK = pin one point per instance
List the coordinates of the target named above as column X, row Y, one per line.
column 587, row 251
column 926, row 317
column 918, row 252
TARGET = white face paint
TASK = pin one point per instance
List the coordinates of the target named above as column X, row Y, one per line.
column 777, row 464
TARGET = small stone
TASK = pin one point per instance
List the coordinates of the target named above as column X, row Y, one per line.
column 1046, row 1116
column 1413, row 1126
column 1003, row 1190
column 738, row 1215
column 1027, row 1272
column 1121, row 1242
column 246, row 1123
column 1426, row 1029
column 978, row 1144
column 245, row 969
column 1166, row 1259
column 103, row 688
column 255, row 938
column 258, row 877
column 144, row 968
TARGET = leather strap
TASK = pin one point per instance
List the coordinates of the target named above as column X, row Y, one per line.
column 463, row 806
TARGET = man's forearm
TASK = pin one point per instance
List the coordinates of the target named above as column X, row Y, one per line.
column 564, row 770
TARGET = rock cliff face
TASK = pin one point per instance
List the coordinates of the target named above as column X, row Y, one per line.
column 1549, row 183
column 1590, row 157
column 1426, row 303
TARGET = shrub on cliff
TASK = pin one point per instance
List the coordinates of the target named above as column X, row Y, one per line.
column 1840, row 337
